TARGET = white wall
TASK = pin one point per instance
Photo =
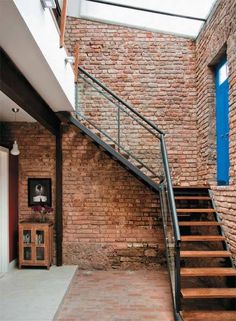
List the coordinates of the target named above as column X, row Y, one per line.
column 29, row 35
column 4, row 209
column 42, row 27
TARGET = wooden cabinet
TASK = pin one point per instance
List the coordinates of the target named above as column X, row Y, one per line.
column 35, row 244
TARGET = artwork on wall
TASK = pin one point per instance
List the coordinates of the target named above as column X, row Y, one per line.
column 39, row 191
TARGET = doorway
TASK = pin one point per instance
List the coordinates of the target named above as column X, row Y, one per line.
column 4, row 209
column 222, row 121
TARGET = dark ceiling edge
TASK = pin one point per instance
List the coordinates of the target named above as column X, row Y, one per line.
column 14, row 84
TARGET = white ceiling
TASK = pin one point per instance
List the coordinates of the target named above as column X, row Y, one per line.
column 6, row 113
column 151, row 21
column 17, row 41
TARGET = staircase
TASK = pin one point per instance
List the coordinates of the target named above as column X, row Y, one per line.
column 139, row 146
column 208, row 287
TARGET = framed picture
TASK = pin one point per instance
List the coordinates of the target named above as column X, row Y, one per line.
column 39, row 191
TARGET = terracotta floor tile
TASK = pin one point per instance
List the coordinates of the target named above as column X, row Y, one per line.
column 117, row 296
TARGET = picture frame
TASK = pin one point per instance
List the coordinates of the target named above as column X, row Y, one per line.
column 39, row 191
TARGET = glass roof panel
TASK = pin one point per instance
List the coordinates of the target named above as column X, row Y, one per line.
column 151, row 21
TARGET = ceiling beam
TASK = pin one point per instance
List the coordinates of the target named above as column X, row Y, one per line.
column 14, row 84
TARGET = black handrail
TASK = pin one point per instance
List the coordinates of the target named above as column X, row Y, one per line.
column 170, row 193
column 121, row 100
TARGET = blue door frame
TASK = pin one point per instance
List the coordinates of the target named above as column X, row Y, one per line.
column 222, row 121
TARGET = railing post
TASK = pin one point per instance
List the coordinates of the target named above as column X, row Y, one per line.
column 118, row 127
column 63, row 22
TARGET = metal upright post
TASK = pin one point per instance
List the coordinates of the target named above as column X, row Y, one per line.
column 118, row 127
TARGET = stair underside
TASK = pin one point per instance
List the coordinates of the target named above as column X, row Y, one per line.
column 208, row 293
column 212, row 271
column 202, row 238
column 209, row 315
column 207, row 254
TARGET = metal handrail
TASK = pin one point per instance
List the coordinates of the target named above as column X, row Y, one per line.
column 121, row 100
column 170, row 194
column 170, row 191
column 119, row 107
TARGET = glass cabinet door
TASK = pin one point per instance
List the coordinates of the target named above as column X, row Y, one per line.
column 27, row 248
column 27, row 237
column 39, row 237
column 40, row 243
column 27, row 253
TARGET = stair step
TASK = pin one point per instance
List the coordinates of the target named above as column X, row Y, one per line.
column 205, row 254
column 139, row 166
column 208, row 293
column 209, row 315
column 199, row 223
column 207, row 198
column 153, row 176
column 192, row 187
column 98, row 134
column 212, row 271
column 112, row 145
column 202, row 238
column 124, row 154
column 196, row 210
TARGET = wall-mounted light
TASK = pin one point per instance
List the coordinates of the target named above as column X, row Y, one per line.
column 48, row 4
column 70, row 60
column 15, row 149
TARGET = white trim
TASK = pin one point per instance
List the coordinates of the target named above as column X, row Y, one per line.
column 12, row 265
column 4, row 209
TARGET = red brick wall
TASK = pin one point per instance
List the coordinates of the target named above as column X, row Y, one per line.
column 219, row 33
column 36, row 159
column 154, row 72
column 110, row 218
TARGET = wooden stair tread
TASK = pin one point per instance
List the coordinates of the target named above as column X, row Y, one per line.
column 195, row 210
column 208, row 293
column 203, row 238
column 191, row 187
column 192, row 198
column 205, row 254
column 199, row 223
column 209, row 315
column 212, row 271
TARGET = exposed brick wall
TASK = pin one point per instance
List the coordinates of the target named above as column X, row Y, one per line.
column 36, row 159
column 154, row 72
column 225, row 198
column 218, row 33
column 110, row 218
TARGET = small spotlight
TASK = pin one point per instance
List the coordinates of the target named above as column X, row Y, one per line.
column 48, row 4
column 70, row 60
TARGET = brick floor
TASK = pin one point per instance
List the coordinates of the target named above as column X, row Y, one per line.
column 117, row 296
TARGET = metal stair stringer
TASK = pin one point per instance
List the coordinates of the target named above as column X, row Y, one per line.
column 111, row 151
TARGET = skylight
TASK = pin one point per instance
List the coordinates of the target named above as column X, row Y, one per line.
column 181, row 17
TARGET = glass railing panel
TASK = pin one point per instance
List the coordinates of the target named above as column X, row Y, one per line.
column 142, row 143
column 95, row 110
column 132, row 136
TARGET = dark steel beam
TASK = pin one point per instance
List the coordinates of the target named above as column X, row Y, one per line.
column 58, row 216
column 148, row 10
column 14, row 84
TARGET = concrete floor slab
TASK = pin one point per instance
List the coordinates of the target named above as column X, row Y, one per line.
column 33, row 294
